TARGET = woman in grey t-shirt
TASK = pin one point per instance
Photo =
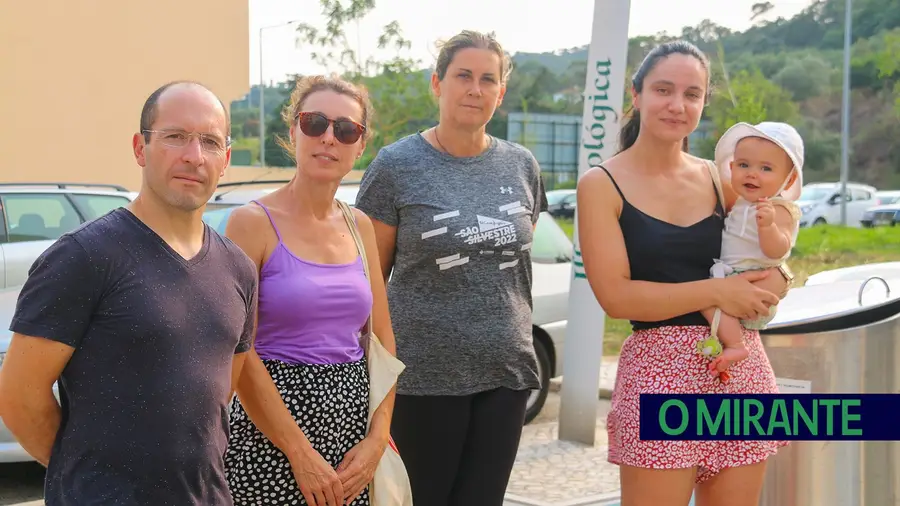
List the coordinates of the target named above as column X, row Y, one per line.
column 454, row 211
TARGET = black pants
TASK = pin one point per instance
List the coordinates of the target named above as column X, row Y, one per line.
column 459, row 450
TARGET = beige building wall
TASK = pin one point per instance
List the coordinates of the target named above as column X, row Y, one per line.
column 75, row 74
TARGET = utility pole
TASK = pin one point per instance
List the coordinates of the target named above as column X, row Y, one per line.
column 845, row 110
column 262, row 93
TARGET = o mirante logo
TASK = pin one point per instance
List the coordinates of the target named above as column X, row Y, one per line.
column 769, row 417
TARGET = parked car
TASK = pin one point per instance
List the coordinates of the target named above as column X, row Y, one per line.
column 885, row 215
column 10, row 449
column 887, row 197
column 237, row 193
column 36, row 214
column 551, row 255
column 561, row 203
column 820, row 203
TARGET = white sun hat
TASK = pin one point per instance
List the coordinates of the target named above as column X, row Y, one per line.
column 782, row 134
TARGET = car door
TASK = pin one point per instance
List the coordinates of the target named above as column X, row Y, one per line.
column 833, row 208
column 862, row 200
column 32, row 222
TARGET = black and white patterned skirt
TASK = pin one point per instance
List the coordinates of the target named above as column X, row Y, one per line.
column 330, row 403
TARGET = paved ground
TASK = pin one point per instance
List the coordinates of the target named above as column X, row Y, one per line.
column 548, row 472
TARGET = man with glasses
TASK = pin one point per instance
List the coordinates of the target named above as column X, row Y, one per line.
column 143, row 316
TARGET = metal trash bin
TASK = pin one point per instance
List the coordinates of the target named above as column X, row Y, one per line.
column 841, row 337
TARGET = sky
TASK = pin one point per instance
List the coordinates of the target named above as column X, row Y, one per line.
column 562, row 24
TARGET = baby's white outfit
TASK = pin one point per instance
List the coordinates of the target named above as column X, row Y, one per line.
column 741, row 250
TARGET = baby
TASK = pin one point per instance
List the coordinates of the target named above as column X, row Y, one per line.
column 765, row 163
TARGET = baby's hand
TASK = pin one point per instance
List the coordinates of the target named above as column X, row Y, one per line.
column 765, row 213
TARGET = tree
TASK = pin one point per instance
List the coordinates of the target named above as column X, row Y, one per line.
column 399, row 90
column 749, row 97
column 888, row 64
column 804, row 78
column 761, row 9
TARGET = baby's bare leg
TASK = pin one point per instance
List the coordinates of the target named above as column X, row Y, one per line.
column 729, row 333
column 774, row 283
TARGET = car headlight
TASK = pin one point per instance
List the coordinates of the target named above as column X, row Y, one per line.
column 807, row 208
column 868, row 215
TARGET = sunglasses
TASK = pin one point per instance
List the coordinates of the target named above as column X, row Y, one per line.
column 315, row 124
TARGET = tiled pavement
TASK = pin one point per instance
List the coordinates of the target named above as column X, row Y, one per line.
column 550, row 472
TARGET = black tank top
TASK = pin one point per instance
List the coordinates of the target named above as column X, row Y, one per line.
column 661, row 252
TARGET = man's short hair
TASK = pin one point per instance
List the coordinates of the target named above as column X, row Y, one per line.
column 151, row 107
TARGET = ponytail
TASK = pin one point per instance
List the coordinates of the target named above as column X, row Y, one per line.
column 629, row 133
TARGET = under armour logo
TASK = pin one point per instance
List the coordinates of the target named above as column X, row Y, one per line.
column 506, row 189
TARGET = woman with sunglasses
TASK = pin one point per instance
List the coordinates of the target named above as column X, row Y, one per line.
column 454, row 211
column 307, row 367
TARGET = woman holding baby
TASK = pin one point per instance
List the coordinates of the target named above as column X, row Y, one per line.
column 653, row 231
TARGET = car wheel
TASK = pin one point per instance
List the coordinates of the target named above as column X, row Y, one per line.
column 819, row 221
column 537, row 398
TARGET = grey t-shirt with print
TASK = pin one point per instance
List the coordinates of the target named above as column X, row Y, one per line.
column 460, row 289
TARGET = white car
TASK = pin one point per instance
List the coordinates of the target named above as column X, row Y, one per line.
column 820, row 203
column 551, row 257
column 36, row 214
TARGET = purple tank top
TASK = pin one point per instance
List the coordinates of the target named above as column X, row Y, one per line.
column 310, row 313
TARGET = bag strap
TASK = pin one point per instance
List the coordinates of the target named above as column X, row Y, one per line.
column 717, row 182
column 354, row 231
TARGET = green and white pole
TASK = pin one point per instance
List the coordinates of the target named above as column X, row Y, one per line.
column 603, row 95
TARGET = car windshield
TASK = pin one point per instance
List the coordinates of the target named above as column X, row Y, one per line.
column 888, row 199
column 814, row 194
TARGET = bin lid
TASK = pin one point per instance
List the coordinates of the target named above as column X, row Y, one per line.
column 818, row 302
column 887, row 270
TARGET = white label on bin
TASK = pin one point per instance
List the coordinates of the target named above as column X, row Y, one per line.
column 793, row 386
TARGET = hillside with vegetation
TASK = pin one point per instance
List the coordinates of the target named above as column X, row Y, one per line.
column 786, row 69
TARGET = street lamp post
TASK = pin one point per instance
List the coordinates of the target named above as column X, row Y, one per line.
column 845, row 111
column 262, row 94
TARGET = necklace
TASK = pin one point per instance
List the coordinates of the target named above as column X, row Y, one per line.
column 441, row 145
column 438, row 140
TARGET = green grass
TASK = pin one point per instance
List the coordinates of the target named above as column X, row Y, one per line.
column 818, row 249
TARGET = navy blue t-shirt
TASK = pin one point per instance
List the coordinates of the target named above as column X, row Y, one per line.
column 144, row 396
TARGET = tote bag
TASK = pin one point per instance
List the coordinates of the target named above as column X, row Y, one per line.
column 390, row 485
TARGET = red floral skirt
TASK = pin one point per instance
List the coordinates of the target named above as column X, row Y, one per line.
column 664, row 360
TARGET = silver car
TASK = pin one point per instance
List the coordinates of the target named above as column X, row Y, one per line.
column 10, row 449
column 33, row 216
column 551, row 257
column 36, row 214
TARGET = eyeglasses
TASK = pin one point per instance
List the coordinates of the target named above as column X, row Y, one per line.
column 179, row 138
column 315, row 124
